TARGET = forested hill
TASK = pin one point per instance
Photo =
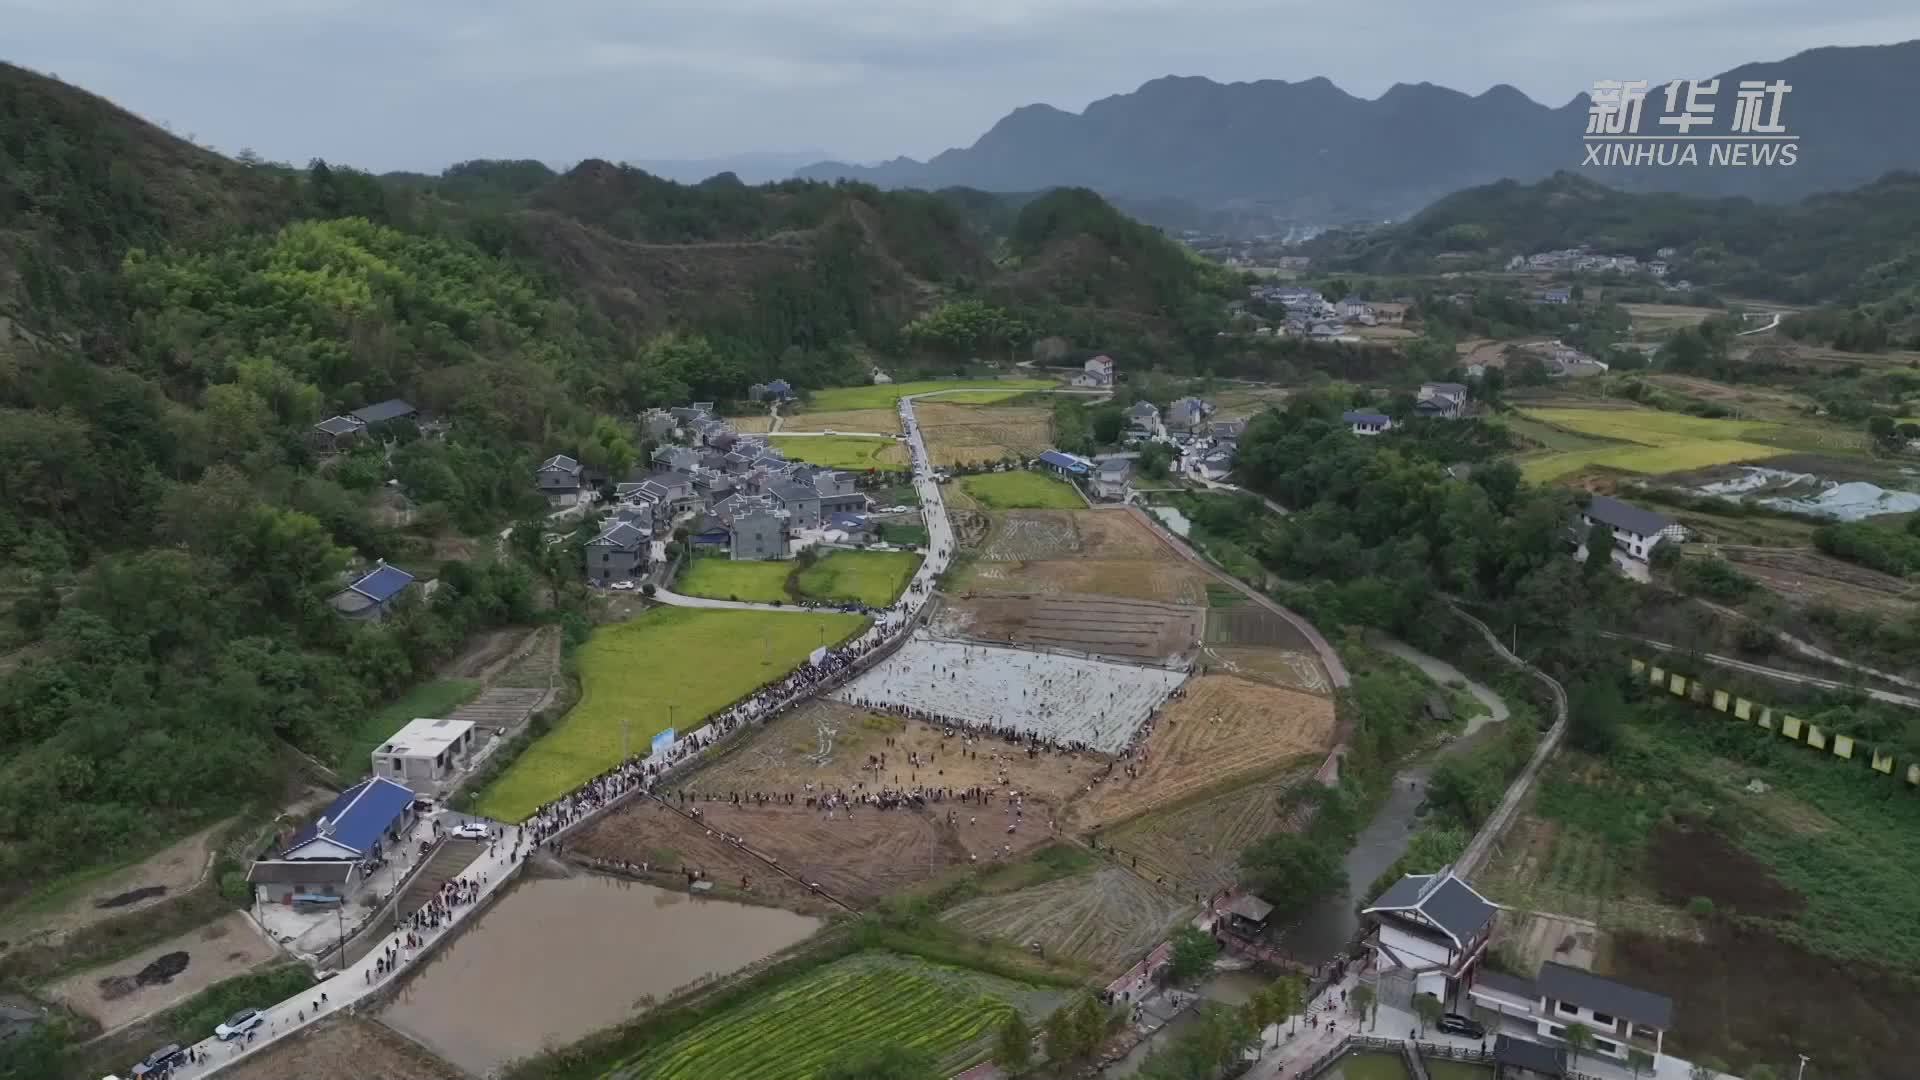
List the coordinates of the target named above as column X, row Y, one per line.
column 1844, row 246
column 172, row 324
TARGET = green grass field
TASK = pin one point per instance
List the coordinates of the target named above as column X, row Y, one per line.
column 907, row 535
column 797, row 1031
column 874, row 578
column 720, row 578
column 884, row 397
column 1021, row 490
column 1642, row 441
column 696, row 661
column 842, row 451
column 436, row 698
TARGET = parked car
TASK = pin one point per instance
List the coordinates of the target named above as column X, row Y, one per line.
column 622, row 586
column 239, row 1024
column 471, row 830
column 160, row 1063
column 1455, row 1024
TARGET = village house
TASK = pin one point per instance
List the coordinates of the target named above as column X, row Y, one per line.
column 427, row 755
column 372, row 595
column 1619, row 1018
column 847, row 529
column 1143, row 420
column 1098, row 371
column 1227, row 431
column 1367, row 422
column 758, row 535
column 1442, row 400
column 800, row 501
column 1113, row 479
column 1555, row 296
column 1635, row 531
column 1187, row 414
column 558, row 478
column 336, row 433
column 1216, row 464
column 1326, row 331
column 1065, row 465
column 838, row 494
column 1427, row 933
column 1390, row 314
column 657, row 425
column 1353, row 308
column 682, row 459
column 618, row 553
column 326, row 858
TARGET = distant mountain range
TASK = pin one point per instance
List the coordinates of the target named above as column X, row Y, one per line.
column 1310, row 152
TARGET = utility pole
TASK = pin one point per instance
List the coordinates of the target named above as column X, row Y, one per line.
column 1801, row 1075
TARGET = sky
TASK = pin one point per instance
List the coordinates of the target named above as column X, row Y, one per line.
column 420, row 84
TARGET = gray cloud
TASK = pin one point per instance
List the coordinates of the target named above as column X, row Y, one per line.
column 421, row 83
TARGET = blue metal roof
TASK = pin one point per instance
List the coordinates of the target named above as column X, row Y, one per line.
column 359, row 817
column 780, row 386
column 1063, row 461
column 383, row 584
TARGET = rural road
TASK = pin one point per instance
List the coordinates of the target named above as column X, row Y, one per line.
column 1773, row 323
column 1776, row 674
column 1482, row 843
column 1815, row 652
column 1444, row 673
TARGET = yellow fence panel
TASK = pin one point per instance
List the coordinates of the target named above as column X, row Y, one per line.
column 1697, row 693
column 1816, row 738
column 1766, row 718
column 1790, row 727
column 1742, row 709
column 1639, row 667
column 1913, row 774
column 1720, row 699
column 1677, row 684
column 1657, row 676
column 1843, row 746
column 1883, row 762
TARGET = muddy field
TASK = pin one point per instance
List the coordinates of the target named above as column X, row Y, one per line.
column 113, row 994
column 1294, row 669
column 1221, row 727
column 965, row 434
column 1251, row 624
column 1532, row 939
column 858, row 859
column 1132, row 629
column 343, row 1048
column 1690, row 861
column 1750, row 998
column 1192, row 848
column 1808, row 577
column 171, row 871
column 829, row 744
column 1106, row 919
column 1096, row 552
column 667, row 844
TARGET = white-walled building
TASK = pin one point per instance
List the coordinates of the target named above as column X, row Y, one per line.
column 1619, row 1018
column 1635, row 531
column 1367, row 423
column 1427, row 933
column 427, row 754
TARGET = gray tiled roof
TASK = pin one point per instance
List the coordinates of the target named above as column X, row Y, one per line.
column 1563, row 983
column 1625, row 515
column 1450, row 903
column 792, row 492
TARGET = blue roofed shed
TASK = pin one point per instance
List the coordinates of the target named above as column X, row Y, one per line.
column 1065, row 464
column 364, row 817
column 369, row 597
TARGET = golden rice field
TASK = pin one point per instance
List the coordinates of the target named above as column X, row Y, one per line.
column 1650, row 442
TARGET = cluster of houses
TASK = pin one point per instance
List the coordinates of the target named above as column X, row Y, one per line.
column 1207, row 447
column 1429, row 934
column 731, row 490
column 1311, row 315
column 1436, row 401
column 1586, row 260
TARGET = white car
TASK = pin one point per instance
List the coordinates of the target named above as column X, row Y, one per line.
column 239, row 1024
column 471, row 830
column 830, row 431
column 622, row 586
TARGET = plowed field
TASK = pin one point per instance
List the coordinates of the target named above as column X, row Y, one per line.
column 967, row 434
column 1106, row 919
column 1192, row 848
column 1220, row 728
column 1080, row 551
column 1134, row 629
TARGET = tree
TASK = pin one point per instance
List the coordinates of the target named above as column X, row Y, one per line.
column 1289, row 995
column 1579, row 1037
column 1291, row 870
column 1754, row 1072
column 1155, row 458
column 1599, row 549
column 1068, row 1034
column 1013, row 1046
column 1429, row 1009
column 887, row 1061
column 1106, row 425
column 1362, row 1000
column 1639, row 1060
column 1882, row 428
column 1193, row 953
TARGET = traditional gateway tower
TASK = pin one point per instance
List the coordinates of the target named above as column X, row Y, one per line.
column 1427, row 933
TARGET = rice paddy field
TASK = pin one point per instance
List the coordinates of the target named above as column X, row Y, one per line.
column 853, row 452
column 1646, row 441
column 797, row 1031
column 885, row 396
column 1021, row 490
column 697, row 661
column 873, row 578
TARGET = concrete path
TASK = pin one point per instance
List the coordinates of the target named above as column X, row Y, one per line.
column 1481, row 846
column 1444, row 673
column 1777, row 674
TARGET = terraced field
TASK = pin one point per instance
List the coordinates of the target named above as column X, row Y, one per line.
column 1106, row 919
column 1653, row 443
column 887, row 395
column 1192, row 848
column 797, row 1031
